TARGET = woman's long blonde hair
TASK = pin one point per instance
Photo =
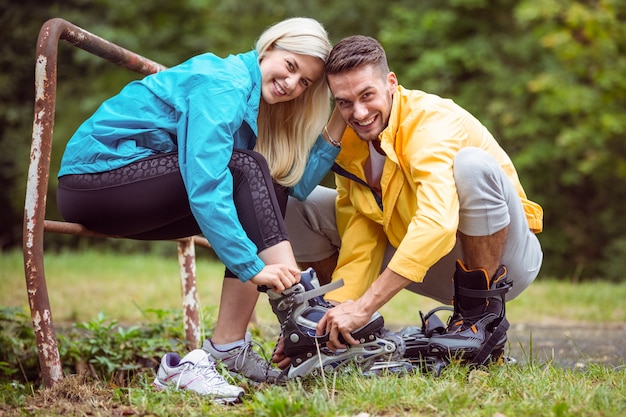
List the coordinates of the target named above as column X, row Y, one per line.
column 288, row 130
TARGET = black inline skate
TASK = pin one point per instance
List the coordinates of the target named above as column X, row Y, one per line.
column 477, row 330
column 301, row 307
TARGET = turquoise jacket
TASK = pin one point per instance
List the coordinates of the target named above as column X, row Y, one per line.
column 203, row 109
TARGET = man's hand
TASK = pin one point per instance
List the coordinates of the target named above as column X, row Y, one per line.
column 351, row 315
column 342, row 320
column 279, row 357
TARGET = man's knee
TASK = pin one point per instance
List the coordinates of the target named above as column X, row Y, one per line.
column 312, row 225
column 317, row 212
column 472, row 165
column 481, row 187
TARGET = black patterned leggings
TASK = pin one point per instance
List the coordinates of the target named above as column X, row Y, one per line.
column 147, row 200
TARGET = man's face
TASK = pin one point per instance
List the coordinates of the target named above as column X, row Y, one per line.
column 364, row 97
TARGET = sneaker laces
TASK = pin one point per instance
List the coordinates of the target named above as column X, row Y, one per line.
column 247, row 352
column 203, row 368
column 283, row 325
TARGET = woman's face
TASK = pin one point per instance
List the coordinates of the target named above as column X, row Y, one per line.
column 285, row 75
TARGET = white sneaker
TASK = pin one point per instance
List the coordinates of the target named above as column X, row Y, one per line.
column 195, row 372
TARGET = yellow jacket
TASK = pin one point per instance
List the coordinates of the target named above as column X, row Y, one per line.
column 420, row 213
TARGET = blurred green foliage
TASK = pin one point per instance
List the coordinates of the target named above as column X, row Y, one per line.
column 545, row 76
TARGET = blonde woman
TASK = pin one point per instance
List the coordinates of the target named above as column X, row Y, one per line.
column 213, row 146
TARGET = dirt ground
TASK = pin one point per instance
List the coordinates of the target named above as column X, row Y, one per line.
column 567, row 345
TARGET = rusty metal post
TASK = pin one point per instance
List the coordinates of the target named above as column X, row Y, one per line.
column 187, row 264
column 39, row 170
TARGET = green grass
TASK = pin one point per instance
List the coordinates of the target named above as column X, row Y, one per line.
column 123, row 287
column 503, row 391
column 82, row 284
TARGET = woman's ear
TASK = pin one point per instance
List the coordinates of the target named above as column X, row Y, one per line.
column 262, row 54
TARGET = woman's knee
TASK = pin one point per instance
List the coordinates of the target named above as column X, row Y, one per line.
column 248, row 163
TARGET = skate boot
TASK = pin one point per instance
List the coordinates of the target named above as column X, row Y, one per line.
column 476, row 332
column 300, row 308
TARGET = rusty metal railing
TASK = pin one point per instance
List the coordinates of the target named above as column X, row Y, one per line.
column 35, row 223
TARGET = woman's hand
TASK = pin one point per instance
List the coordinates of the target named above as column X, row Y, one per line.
column 279, row 277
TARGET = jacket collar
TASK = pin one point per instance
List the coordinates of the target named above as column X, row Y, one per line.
column 251, row 61
column 388, row 136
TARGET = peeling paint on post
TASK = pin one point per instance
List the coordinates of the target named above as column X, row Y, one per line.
column 187, row 263
column 34, row 207
column 39, row 170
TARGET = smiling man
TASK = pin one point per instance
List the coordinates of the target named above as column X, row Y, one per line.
column 426, row 200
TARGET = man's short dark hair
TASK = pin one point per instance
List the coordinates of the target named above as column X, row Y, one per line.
column 355, row 52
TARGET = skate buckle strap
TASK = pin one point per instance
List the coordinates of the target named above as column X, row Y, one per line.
column 431, row 323
column 300, row 298
column 482, row 356
column 469, row 292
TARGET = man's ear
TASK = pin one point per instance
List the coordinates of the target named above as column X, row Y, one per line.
column 392, row 82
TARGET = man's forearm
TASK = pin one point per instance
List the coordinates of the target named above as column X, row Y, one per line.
column 382, row 290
